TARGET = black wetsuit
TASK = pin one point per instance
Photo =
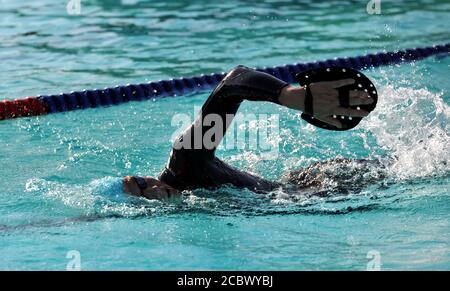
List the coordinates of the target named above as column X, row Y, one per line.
column 194, row 165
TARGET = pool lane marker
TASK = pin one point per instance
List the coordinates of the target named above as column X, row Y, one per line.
column 30, row 106
column 41, row 105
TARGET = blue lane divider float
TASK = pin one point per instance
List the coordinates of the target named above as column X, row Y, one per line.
column 188, row 85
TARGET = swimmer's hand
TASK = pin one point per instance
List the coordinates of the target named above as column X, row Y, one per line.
column 325, row 100
column 155, row 189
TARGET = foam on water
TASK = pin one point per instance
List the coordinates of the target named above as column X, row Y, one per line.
column 102, row 197
column 412, row 125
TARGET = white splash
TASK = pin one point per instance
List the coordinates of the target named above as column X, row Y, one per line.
column 100, row 197
column 412, row 125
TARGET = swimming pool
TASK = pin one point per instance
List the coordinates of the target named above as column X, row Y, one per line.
column 52, row 167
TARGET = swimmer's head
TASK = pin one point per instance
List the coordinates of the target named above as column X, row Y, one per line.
column 149, row 188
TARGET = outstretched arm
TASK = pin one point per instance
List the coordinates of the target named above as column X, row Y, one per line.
column 243, row 83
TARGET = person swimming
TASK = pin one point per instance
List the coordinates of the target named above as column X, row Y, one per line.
column 192, row 163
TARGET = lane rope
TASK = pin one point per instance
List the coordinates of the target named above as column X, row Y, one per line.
column 41, row 105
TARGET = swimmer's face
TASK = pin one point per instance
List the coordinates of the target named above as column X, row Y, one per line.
column 155, row 189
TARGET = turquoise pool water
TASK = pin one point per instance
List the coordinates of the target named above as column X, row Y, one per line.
column 53, row 167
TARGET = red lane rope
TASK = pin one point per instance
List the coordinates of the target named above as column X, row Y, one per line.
column 22, row 107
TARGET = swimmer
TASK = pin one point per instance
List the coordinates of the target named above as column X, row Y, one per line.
column 192, row 165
